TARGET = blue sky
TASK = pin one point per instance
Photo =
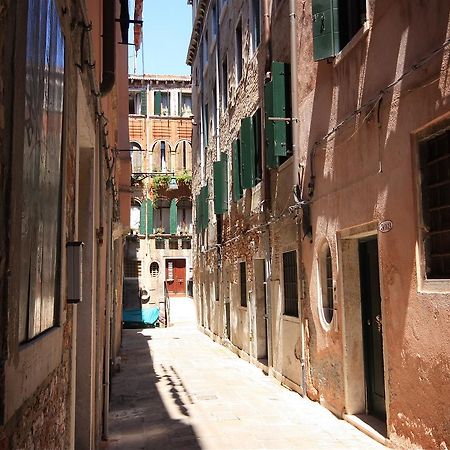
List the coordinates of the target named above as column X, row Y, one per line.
column 167, row 29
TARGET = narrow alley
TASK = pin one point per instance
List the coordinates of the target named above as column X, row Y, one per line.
column 177, row 389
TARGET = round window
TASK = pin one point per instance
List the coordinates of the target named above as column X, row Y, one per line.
column 154, row 269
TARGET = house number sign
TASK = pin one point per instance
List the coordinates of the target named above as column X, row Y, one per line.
column 385, row 226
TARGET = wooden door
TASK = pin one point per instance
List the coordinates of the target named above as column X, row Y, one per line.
column 176, row 276
column 372, row 328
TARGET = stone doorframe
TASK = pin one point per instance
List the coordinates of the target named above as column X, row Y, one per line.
column 352, row 335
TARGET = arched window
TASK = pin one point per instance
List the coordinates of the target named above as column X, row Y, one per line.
column 136, row 157
column 135, row 215
column 154, row 269
column 326, row 281
column 161, row 156
column 183, row 152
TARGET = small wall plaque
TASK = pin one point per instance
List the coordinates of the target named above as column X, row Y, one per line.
column 385, row 226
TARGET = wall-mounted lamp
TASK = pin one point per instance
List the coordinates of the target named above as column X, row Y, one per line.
column 172, row 184
column 74, row 253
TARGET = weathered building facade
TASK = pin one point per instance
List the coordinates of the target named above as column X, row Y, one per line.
column 63, row 113
column 158, row 260
column 320, row 179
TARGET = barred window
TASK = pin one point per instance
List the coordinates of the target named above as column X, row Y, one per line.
column 243, row 278
column 290, row 284
column 327, row 286
column 435, row 185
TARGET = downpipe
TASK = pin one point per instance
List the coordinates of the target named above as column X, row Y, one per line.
column 296, row 156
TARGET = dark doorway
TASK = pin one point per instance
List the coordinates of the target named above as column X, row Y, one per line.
column 372, row 328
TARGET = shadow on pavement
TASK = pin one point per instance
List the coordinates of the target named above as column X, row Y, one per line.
column 139, row 417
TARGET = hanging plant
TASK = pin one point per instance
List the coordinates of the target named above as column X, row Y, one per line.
column 184, row 178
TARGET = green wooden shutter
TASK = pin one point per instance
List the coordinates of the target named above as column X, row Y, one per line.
column 142, row 217
column 325, row 21
column 198, row 212
column 157, row 103
column 257, row 132
column 277, row 105
column 281, row 106
column 205, row 207
column 149, row 217
column 220, row 185
column 271, row 159
column 247, row 153
column 143, row 94
column 173, row 217
column 236, row 171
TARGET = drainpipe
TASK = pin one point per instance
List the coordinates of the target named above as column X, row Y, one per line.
column 109, row 46
column 217, row 88
column 296, row 149
column 266, row 184
column 107, row 356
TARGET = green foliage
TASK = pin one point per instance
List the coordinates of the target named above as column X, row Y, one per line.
column 184, row 178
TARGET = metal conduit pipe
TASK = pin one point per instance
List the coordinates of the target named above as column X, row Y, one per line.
column 109, row 46
column 296, row 155
column 266, row 183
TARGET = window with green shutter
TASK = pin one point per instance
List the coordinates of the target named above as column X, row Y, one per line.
column 143, row 95
column 142, row 221
column 198, row 212
column 173, row 216
column 157, row 103
column 247, row 153
column 221, row 184
column 335, row 22
column 149, row 205
column 204, row 205
column 236, row 171
column 277, row 106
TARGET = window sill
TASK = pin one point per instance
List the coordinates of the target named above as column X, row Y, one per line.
column 361, row 33
column 434, row 286
column 242, row 308
column 39, row 357
column 290, row 318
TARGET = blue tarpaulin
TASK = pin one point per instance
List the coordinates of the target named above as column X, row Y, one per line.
column 147, row 317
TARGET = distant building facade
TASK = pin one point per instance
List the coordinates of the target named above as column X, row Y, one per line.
column 159, row 247
column 321, row 244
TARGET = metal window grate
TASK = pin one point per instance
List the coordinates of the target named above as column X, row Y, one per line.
column 290, row 284
column 243, row 278
column 328, row 296
column 435, row 174
column 132, row 268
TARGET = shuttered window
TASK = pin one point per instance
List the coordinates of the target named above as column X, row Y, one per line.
column 143, row 95
column 236, row 171
column 149, row 205
column 201, row 209
column 173, row 217
column 247, row 153
column 277, row 106
column 142, row 221
column 221, row 184
column 157, row 103
column 335, row 22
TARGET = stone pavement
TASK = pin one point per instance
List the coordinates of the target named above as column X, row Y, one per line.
column 179, row 390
